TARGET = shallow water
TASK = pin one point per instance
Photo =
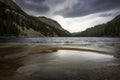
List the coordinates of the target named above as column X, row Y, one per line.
column 111, row 45
column 68, row 65
column 72, row 59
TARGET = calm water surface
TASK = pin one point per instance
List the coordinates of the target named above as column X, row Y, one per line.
column 68, row 65
column 64, row 64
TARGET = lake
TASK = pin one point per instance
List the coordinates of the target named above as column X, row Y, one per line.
column 59, row 58
column 78, row 40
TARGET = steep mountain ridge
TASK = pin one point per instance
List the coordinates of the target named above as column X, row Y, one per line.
column 15, row 22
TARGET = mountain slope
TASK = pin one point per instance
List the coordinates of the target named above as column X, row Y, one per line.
column 54, row 25
column 110, row 29
column 15, row 22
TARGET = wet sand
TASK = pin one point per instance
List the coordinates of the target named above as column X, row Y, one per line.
column 33, row 61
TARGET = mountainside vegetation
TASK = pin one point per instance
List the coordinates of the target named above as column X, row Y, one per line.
column 59, row 30
column 15, row 22
column 110, row 29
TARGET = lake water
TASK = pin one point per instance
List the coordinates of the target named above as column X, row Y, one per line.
column 68, row 65
column 63, row 63
column 78, row 40
column 110, row 45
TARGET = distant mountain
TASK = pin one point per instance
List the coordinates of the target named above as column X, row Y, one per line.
column 110, row 29
column 15, row 22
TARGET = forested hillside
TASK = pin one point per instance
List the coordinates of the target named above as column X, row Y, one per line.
column 15, row 22
column 110, row 29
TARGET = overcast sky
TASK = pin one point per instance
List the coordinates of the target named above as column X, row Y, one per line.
column 73, row 15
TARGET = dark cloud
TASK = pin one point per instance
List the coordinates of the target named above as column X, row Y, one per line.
column 81, row 8
column 113, row 13
column 54, row 2
column 85, row 7
column 37, row 6
column 106, row 15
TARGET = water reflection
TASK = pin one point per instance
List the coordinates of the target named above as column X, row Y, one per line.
column 67, row 65
column 64, row 64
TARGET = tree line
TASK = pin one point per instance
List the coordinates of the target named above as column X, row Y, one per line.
column 110, row 29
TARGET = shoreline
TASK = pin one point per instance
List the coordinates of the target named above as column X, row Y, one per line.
column 16, row 50
column 21, row 60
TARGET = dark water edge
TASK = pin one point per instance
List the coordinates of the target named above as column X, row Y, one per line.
column 37, row 63
column 61, row 65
